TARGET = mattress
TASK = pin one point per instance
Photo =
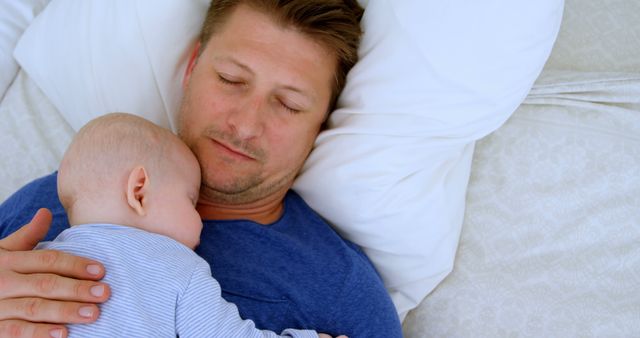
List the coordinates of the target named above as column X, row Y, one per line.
column 33, row 135
column 549, row 245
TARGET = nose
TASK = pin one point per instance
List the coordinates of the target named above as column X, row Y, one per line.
column 247, row 120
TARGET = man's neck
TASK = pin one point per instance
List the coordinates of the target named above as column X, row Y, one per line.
column 265, row 211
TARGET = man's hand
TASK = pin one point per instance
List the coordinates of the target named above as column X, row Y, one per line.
column 42, row 288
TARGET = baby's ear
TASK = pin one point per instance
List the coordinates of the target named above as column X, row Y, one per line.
column 137, row 186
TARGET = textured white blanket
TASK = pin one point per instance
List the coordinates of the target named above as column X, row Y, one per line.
column 33, row 135
column 549, row 246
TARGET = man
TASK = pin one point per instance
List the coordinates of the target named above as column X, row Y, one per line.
column 258, row 88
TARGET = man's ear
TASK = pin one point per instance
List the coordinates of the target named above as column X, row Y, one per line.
column 137, row 186
column 192, row 63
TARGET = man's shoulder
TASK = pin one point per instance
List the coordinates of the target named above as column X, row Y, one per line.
column 302, row 217
column 326, row 252
column 293, row 203
column 355, row 286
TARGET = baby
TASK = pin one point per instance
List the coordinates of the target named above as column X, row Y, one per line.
column 129, row 188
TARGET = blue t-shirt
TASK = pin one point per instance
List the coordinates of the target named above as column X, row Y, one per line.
column 296, row 272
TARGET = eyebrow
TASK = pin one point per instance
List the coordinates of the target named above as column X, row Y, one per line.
column 302, row 93
column 236, row 62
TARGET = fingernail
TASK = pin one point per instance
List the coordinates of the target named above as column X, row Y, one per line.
column 86, row 311
column 93, row 269
column 55, row 333
column 97, row 290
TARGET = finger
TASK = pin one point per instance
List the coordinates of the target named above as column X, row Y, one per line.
column 30, row 234
column 50, row 286
column 48, row 311
column 20, row 329
column 51, row 261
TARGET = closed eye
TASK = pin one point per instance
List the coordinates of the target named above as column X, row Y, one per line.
column 289, row 109
column 227, row 81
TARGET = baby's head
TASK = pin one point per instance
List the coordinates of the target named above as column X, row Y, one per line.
column 123, row 169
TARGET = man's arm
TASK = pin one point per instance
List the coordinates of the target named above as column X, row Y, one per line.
column 41, row 289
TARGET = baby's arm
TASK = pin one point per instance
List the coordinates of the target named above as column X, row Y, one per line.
column 202, row 312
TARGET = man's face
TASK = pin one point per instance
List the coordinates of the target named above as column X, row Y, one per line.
column 253, row 106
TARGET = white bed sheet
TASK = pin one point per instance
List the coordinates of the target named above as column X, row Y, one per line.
column 33, row 135
column 549, row 246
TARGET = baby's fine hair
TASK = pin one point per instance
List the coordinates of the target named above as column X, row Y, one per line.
column 107, row 148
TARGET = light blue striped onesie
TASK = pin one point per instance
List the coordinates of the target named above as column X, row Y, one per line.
column 159, row 287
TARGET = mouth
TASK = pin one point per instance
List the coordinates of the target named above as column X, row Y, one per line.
column 231, row 151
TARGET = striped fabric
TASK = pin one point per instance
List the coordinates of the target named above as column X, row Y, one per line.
column 159, row 287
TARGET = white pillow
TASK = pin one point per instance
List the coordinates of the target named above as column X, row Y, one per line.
column 392, row 171
column 94, row 57
column 433, row 77
column 15, row 16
